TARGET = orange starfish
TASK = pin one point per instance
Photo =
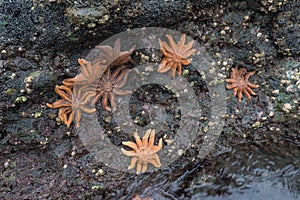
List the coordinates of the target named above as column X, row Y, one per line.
column 72, row 103
column 143, row 152
column 110, row 85
column 176, row 55
column 240, row 83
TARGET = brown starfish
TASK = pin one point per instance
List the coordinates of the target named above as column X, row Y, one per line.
column 144, row 151
column 72, row 103
column 90, row 73
column 114, row 56
column 240, row 83
column 175, row 55
column 110, row 85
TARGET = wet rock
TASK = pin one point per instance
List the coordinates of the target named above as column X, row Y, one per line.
column 286, row 29
column 91, row 15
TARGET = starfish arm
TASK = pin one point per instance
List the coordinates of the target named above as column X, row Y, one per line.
column 234, row 73
column 155, row 161
column 96, row 98
column 247, row 76
column 117, row 71
column 121, row 92
column 179, row 68
column 80, row 79
column 108, row 73
column 146, row 137
column 138, row 167
column 63, row 114
column 186, row 61
column 151, row 138
column 181, row 41
column 59, row 103
column 240, row 95
column 188, row 53
column 241, row 72
column 108, row 52
column 128, row 153
column 230, row 80
column 174, row 65
column 111, row 98
column 173, row 73
column 144, row 167
column 87, row 97
column 156, row 149
column 76, row 92
column 171, row 42
column 233, row 85
column 165, row 46
column 188, row 46
column 64, row 92
column 166, row 54
column 99, row 63
column 105, row 102
column 77, row 117
column 163, row 67
column 235, row 90
column 69, row 82
column 132, row 163
column 122, row 79
column 87, row 110
column 247, row 94
column 131, row 145
column 250, row 90
column 252, row 85
column 106, row 49
column 86, row 67
column 137, row 139
column 123, row 58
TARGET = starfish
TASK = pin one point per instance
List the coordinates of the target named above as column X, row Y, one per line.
column 143, row 152
column 90, row 73
column 72, row 103
column 175, row 55
column 240, row 83
column 110, row 85
column 114, row 56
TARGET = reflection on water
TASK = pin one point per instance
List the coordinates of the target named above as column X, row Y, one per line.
column 251, row 172
column 247, row 171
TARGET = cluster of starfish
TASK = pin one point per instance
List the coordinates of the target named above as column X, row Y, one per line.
column 104, row 78
column 81, row 93
column 177, row 54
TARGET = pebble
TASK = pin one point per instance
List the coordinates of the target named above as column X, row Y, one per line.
column 287, row 107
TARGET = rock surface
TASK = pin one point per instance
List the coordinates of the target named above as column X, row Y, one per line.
column 40, row 42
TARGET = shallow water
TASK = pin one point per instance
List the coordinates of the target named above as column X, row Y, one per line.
column 252, row 172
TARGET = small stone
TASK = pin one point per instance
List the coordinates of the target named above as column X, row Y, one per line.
column 256, row 124
column 259, row 35
column 73, row 153
column 180, row 152
column 100, row 172
column 287, row 107
column 271, row 114
column 6, row 164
